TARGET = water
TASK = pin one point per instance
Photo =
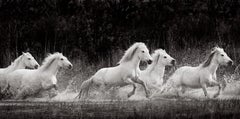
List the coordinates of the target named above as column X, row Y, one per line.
column 164, row 108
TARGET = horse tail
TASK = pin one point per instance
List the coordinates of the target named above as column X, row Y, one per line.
column 85, row 87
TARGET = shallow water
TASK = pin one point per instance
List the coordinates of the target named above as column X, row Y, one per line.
column 164, row 108
column 193, row 105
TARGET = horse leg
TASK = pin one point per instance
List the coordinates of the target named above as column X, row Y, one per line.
column 86, row 93
column 83, row 94
column 132, row 92
column 1, row 94
column 156, row 90
column 178, row 90
column 103, row 89
column 137, row 80
column 204, row 86
column 130, row 82
column 215, row 83
column 21, row 95
column 183, row 90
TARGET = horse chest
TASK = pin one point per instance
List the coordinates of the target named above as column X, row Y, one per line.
column 48, row 79
column 134, row 74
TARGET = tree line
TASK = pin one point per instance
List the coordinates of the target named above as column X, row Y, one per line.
column 94, row 29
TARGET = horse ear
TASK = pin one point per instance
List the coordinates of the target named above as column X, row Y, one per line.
column 23, row 53
column 214, row 48
column 48, row 54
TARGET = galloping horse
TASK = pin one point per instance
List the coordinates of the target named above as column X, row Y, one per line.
column 23, row 61
column 153, row 75
column 24, row 82
column 126, row 73
column 201, row 76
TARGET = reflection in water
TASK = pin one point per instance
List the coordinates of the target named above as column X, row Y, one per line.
column 120, row 109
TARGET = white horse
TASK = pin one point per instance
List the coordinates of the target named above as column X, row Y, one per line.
column 23, row 61
column 126, row 73
column 153, row 75
column 26, row 60
column 24, row 82
column 201, row 76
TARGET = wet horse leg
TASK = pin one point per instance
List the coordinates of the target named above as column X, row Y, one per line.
column 177, row 89
column 137, row 80
column 215, row 83
column 183, row 90
column 204, row 86
column 102, row 88
column 130, row 82
column 133, row 91
column 21, row 94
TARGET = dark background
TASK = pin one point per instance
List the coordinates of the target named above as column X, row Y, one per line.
column 97, row 29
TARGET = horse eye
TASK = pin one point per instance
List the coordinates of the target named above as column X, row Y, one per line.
column 142, row 51
column 165, row 57
column 61, row 59
column 29, row 58
column 222, row 55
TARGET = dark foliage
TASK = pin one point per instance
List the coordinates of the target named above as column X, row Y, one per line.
column 97, row 28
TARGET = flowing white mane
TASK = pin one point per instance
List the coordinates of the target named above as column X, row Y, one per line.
column 156, row 56
column 50, row 59
column 210, row 57
column 130, row 52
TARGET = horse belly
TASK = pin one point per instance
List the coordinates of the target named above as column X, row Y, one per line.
column 114, row 81
column 191, row 80
column 113, row 76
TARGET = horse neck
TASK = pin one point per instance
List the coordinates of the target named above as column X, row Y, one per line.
column 213, row 66
column 157, row 70
column 52, row 69
column 15, row 66
column 135, row 62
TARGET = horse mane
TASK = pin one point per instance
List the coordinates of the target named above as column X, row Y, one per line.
column 129, row 53
column 50, row 59
column 209, row 59
column 155, row 56
column 16, row 61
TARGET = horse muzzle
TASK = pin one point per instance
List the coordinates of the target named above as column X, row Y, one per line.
column 230, row 63
column 36, row 66
column 149, row 61
column 173, row 62
column 70, row 66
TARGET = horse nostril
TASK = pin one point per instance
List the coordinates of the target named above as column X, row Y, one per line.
column 70, row 67
column 230, row 63
column 36, row 66
column 173, row 62
column 149, row 61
